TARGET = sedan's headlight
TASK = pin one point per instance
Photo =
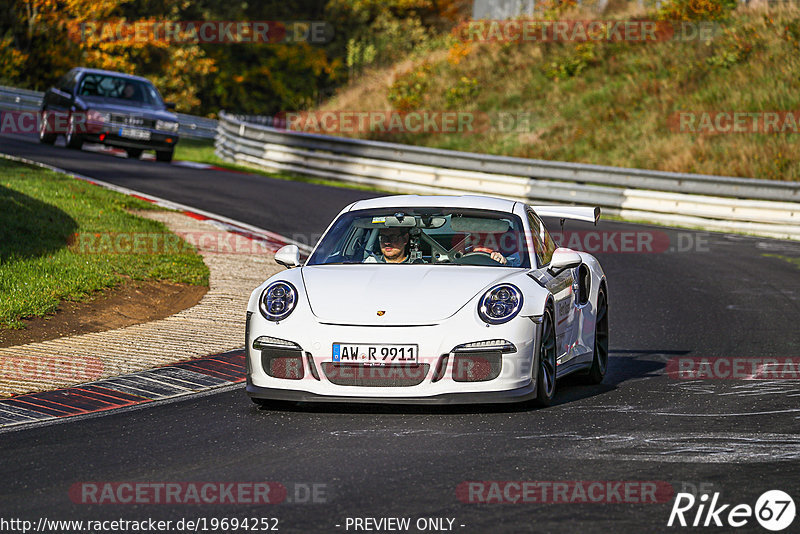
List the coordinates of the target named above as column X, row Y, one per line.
column 278, row 301
column 500, row 304
column 167, row 126
column 98, row 116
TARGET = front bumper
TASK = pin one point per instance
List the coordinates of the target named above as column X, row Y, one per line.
column 522, row 394
column 110, row 134
column 443, row 381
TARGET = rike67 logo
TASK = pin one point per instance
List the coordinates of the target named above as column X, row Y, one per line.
column 774, row 510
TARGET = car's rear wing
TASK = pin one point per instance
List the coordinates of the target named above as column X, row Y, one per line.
column 578, row 213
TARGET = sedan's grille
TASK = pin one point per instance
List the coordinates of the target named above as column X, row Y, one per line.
column 392, row 375
column 118, row 119
column 477, row 366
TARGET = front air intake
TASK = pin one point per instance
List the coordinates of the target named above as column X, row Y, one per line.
column 477, row 366
column 376, row 376
column 283, row 363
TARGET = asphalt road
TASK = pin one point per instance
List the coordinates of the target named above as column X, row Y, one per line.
column 718, row 296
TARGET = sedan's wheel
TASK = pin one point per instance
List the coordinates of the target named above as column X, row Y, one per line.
column 546, row 375
column 46, row 137
column 164, row 155
column 74, row 140
column 134, row 153
column 600, row 361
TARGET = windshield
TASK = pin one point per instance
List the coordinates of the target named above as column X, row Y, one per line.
column 437, row 236
column 134, row 91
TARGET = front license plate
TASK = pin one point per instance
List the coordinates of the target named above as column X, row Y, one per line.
column 133, row 133
column 378, row 354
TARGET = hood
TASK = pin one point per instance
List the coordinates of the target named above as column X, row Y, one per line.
column 409, row 294
column 114, row 105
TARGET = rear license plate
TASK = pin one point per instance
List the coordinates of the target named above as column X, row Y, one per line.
column 132, row 133
column 375, row 354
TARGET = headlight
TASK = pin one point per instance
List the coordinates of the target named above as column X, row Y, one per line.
column 278, row 301
column 98, row 116
column 500, row 304
column 167, row 126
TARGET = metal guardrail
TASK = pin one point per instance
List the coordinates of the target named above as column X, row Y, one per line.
column 14, row 99
column 263, row 120
column 760, row 207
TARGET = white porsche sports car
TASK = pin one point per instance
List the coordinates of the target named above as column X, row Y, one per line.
column 429, row 299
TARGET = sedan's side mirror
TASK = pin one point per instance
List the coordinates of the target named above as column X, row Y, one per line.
column 564, row 258
column 288, row 256
column 170, row 105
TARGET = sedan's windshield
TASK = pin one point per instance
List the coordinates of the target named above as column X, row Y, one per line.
column 136, row 92
column 438, row 236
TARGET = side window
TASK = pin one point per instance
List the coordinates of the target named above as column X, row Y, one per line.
column 67, row 82
column 536, row 236
column 549, row 245
column 542, row 241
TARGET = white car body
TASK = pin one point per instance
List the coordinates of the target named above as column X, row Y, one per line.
column 434, row 307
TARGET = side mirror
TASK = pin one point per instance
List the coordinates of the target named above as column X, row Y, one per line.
column 170, row 105
column 564, row 258
column 288, row 256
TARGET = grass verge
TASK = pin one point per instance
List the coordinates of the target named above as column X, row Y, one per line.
column 41, row 212
column 793, row 260
column 609, row 103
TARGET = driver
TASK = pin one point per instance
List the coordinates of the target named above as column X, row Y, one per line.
column 394, row 246
column 129, row 92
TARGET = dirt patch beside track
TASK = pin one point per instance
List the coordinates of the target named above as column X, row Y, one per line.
column 133, row 302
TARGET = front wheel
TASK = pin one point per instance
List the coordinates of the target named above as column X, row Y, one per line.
column 546, row 374
column 597, row 372
column 46, row 134
column 164, row 155
column 74, row 140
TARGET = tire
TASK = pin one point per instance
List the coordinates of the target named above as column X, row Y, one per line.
column 597, row 371
column 134, row 153
column 164, row 155
column 45, row 137
column 546, row 360
column 74, row 141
